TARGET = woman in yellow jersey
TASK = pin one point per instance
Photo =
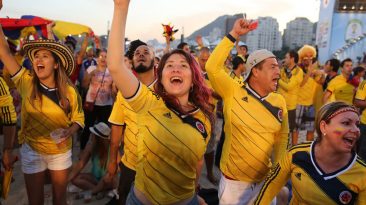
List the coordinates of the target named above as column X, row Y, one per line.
column 326, row 171
column 174, row 121
column 50, row 103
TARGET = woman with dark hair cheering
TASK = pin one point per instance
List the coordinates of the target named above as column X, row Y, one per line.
column 174, row 121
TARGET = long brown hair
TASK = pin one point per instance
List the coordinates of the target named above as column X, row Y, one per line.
column 101, row 150
column 61, row 82
column 199, row 94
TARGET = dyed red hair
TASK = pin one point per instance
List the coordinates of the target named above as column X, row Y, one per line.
column 200, row 94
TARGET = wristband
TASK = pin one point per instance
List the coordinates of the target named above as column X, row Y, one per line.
column 231, row 38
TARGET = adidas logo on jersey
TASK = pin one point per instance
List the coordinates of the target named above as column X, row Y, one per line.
column 168, row 115
column 298, row 176
column 245, row 99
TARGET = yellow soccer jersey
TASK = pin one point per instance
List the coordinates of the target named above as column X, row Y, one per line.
column 306, row 93
column 169, row 148
column 318, row 92
column 310, row 185
column 207, row 81
column 255, row 127
column 361, row 95
column 19, row 58
column 8, row 115
column 121, row 114
column 289, row 86
column 341, row 90
column 39, row 121
column 239, row 80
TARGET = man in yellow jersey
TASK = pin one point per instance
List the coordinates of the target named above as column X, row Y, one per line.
column 256, row 124
column 8, row 120
column 203, row 55
column 360, row 102
column 289, row 85
column 339, row 89
column 305, row 112
column 331, row 69
column 123, row 118
column 238, row 69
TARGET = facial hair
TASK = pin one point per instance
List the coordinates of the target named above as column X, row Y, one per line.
column 141, row 68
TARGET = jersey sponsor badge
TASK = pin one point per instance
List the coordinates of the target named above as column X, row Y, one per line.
column 345, row 197
column 298, row 176
column 200, row 127
column 168, row 115
column 279, row 114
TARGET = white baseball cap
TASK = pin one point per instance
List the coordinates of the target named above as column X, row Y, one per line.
column 255, row 58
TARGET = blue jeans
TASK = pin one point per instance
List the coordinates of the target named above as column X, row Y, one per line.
column 133, row 200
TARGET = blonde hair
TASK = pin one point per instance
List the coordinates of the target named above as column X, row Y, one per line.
column 305, row 50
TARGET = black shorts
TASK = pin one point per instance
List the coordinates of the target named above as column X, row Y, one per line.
column 126, row 178
column 292, row 119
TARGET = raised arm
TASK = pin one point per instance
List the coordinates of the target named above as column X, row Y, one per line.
column 125, row 81
column 167, row 42
column 81, row 54
column 6, row 56
column 49, row 30
column 217, row 75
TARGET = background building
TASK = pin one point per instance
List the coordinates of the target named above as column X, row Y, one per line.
column 297, row 33
column 266, row 36
column 341, row 31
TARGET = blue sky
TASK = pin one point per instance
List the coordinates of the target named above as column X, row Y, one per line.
column 145, row 16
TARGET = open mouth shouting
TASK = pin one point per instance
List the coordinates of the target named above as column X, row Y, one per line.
column 275, row 80
column 349, row 141
column 175, row 80
column 40, row 67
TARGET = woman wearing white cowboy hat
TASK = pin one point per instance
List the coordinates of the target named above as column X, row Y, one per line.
column 50, row 102
column 98, row 150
